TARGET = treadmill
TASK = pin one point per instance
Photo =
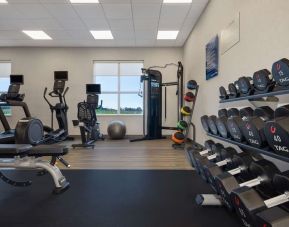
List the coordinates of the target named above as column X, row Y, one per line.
column 12, row 98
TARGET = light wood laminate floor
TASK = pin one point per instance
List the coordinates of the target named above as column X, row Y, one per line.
column 155, row 154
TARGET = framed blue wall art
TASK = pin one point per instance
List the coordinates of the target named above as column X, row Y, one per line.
column 212, row 58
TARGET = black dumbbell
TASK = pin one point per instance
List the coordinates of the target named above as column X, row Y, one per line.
column 206, row 151
column 227, row 181
column 233, row 91
column 204, row 121
column 280, row 73
column 234, row 124
column 212, row 124
column 214, row 155
column 221, row 121
column 277, row 131
column 253, row 126
column 249, row 203
column 223, row 93
column 274, row 216
column 260, row 174
column 245, row 86
column 262, row 82
column 213, row 169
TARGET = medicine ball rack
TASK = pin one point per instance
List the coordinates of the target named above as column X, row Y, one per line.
column 190, row 125
column 266, row 151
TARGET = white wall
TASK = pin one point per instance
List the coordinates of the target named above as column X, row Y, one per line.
column 264, row 39
column 38, row 64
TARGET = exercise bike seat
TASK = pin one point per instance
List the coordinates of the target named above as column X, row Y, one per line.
column 12, row 150
column 48, row 150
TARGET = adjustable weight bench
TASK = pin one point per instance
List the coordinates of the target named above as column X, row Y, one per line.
column 23, row 156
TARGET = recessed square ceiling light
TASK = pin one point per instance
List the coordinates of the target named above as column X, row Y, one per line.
column 84, row 1
column 177, row 1
column 167, row 34
column 3, row 1
column 102, row 34
column 37, row 35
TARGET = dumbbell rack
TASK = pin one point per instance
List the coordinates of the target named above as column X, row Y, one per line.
column 258, row 96
column 265, row 151
column 190, row 124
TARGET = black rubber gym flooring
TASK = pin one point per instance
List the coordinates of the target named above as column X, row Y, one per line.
column 111, row 198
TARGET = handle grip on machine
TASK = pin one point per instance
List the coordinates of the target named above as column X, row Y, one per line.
column 44, row 96
column 64, row 94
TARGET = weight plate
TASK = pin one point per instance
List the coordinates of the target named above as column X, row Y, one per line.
column 280, row 72
column 261, row 79
column 233, row 125
column 204, row 121
column 221, row 124
column 244, row 85
column 277, row 136
column 212, row 124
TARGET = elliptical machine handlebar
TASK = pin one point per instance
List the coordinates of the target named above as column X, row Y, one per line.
column 64, row 94
column 44, row 96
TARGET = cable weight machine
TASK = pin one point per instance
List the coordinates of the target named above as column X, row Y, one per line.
column 153, row 100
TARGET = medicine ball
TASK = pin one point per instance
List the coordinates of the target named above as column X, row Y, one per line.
column 178, row 137
column 186, row 111
column 182, row 125
column 189, row 97
column 192, row 85
column 116, row 130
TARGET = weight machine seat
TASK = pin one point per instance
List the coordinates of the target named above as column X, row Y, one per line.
column 12, row 150
column 48, row 150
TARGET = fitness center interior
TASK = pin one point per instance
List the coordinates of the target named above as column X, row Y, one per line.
column 136, row 113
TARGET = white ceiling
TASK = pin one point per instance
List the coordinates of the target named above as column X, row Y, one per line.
column 132, row 22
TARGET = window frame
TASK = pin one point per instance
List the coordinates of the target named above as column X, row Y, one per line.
column 119, row 92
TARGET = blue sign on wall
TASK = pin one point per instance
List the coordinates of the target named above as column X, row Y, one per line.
column 212, row 58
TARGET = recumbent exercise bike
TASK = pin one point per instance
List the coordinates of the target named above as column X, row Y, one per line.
column 87, row 120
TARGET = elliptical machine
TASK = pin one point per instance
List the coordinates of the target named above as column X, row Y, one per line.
column 87, row 120
column 31, row 130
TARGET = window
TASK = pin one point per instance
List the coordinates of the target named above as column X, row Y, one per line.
column 120, row 85
column 5, row 72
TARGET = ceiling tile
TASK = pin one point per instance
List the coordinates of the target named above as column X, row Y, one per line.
column 72, row 24
column 9, row 12
column 145, row 34
column 146, row 24
column 80, row 34
column 96, row 24
column 114, row 1
column 10, row 34
column 32, row 11
column 58, row 34
column 145, row 11
column 61, row 11
column 117, row 11
column 123, row 34
column 121, row 24
column 90, row 11
column 145, row 42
